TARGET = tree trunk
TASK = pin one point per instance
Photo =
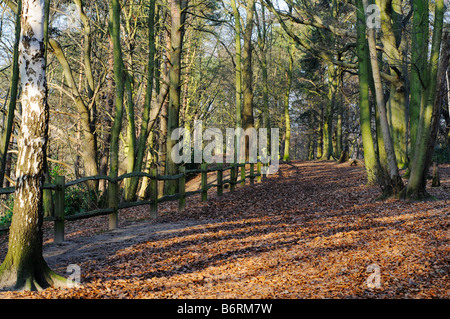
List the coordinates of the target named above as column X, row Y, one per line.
column 287, row 117
column 24, row 266
column 106, row 122
column 364, row 102
column 419, row 53
column 113, row 190
column 176, row 45
column 238, row 81
column 247, row 75
column 333, row 84
column 429, row 116
column 393, row 41
column 4, row 142
column 89, row 143
column 394, row 184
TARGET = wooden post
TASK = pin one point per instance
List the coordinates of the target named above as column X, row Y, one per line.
column 113, row 202
column 232, row 177
column 243, row 174
column 154, row 191
column 258, row 170
column 266, row 170
column 182, row 188
column 219, row 179
column 204, row 183
column 59, row 209
column 436, row 182
column 252, row 173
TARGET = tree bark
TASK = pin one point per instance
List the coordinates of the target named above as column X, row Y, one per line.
column 176, row 46
column 24, row 266
column 89, row 143
column 394, row 184
column 287, row 117
column 393, row 41
column 119, row 76
column 364, row 103
column 429, row 116
column 419, row 53
column 238, row 81
column 4, row 142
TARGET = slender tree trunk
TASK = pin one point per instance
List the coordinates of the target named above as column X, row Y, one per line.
column 393, row 41
column 364, row 102
column 395, row 183
column 48, row 199
column 106, row 122
column 319, row 151
column 287, row 117
column 248, row 120
column 89, row 142
column 24, row 266
column 262, row 43
column 333, row 84
column 130, row 192
column 238, row 81
column 429, row 115
column 419, row 53
column 339, row 130
column 176, row 46
column 4, row 142
column 247, row 72
column 119, row 76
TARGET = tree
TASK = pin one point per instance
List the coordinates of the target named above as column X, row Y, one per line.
column 13, row 91
column 247, row 71
column 364, row 101
column 429, row 113
column 237, row 28
column 178, row 16
column 119, row 77
column 287, row 117
column 148, row 117
column 24, row 266
column 394, row 184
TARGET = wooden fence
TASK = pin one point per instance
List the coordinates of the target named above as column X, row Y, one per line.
column 60, row 186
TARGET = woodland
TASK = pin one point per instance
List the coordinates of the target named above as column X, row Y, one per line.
column 91, row 93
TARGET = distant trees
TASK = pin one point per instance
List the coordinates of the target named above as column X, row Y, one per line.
column 406, row 116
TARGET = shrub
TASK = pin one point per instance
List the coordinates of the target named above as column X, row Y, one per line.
column 442, row 154
column 6, row 215
column 78, row 200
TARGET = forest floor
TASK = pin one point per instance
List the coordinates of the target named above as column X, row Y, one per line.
column 309, row 231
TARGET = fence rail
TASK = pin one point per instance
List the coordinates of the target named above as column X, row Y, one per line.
column 60, row 186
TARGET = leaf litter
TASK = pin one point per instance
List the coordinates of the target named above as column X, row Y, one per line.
column 309, row 231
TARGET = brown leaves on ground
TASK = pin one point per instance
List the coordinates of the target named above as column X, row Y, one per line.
column 311, row 231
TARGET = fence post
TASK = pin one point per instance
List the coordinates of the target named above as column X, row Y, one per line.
column 59, row 209
column 252, row 173
column 266, row 170
column 258, row 170
column 243, row 174
column 113, row 202
column 232, row 177
column 219, row 179
column 182, row 188
column 204, row 183
column 154, row 191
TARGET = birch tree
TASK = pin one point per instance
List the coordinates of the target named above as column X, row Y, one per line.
column 24, row 266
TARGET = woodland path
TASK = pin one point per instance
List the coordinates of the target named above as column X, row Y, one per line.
column 310, row 231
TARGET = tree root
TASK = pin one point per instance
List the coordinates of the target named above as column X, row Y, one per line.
column 35, row 278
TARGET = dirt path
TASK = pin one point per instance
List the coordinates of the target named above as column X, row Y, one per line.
column 310, row 231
